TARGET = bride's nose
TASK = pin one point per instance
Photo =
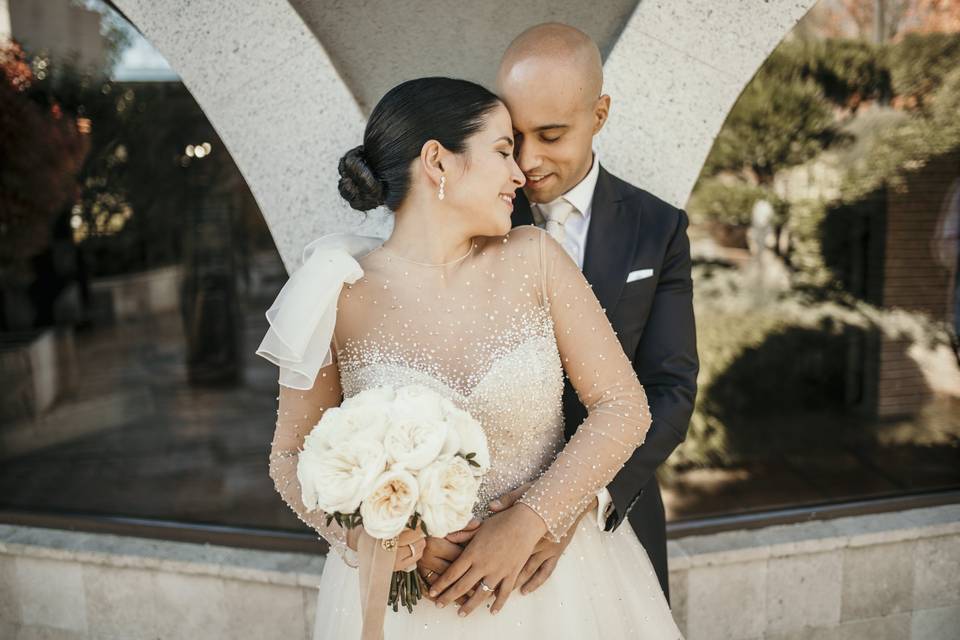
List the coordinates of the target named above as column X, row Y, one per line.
column 517, row 176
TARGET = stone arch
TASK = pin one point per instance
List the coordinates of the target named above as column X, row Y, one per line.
column 268, row 86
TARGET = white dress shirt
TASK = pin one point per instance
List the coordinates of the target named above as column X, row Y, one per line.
column 581, row 197
column 575, row 242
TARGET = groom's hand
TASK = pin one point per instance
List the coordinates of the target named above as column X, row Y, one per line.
column 543, row 561
column 546, row 554
column 437, row 556
column 441, row 552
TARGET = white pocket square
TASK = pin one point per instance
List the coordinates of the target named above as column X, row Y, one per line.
column 639, row 274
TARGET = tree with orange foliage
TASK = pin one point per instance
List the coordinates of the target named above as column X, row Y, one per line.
column 886, row 20
column 42, row 153
column 935, row 16
column 879, row 19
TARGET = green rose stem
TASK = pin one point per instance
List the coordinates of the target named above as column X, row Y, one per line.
column 411, row 596
column 394, row 588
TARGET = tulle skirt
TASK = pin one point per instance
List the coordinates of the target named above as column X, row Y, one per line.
column 603, row 587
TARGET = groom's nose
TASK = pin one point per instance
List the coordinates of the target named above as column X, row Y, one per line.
column 527, row 157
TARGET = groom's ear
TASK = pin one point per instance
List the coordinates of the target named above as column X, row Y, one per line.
column 601, row 111
column 432, row 155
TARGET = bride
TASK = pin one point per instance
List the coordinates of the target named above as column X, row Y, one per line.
column 491, row 318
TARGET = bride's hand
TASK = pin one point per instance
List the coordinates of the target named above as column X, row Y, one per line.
column 410, row 546
column 496, row 554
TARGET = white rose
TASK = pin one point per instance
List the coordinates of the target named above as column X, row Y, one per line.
column 413, row 442
column 448, row 491
column 472, row 439
column 318, row 438
column 369, row 422
column 388, row 507
column 342, row 424
column 307, row 465
column 451, row 446
column 418, row 401
column 375, row 396
column 340, row 477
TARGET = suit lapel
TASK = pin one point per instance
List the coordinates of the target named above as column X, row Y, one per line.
column 611, row 242
column 521, row 210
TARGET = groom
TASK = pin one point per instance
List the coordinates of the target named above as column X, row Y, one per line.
column 634, row 251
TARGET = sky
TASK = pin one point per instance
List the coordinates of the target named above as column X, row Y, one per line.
column 139, row 61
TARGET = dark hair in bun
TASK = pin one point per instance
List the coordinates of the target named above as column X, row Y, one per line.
column 413, row 112
column 359, row 186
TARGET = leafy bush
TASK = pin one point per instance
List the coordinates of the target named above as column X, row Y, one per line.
column 847, row 71
column 787, row 114
column 728, row 201
column 773, row 125
column 920, row 64
column 805, row 225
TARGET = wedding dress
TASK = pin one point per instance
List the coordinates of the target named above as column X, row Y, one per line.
column 494, row 331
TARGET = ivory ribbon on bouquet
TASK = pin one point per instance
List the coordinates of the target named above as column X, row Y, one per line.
column 376, row 570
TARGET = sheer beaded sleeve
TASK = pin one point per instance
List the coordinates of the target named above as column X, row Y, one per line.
column 297, row 414
column 618, row 415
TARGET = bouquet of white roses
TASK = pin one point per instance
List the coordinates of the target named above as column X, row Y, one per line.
column 389, row 458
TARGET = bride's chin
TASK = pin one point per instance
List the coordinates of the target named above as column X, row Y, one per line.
column 503, row 229
column 496, row 226
column 504, row 224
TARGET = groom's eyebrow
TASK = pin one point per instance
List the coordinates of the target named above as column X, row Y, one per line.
column 547, row 127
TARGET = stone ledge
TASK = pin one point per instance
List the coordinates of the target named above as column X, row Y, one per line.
column 830, row 580
column 296, row 569
column 269, row 567
column 736, row 547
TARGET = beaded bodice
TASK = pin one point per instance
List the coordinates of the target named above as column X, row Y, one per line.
column 494, row 331
column 517, row 398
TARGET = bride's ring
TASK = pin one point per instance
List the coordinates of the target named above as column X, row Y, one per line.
column 389, row 544
column 483, row 585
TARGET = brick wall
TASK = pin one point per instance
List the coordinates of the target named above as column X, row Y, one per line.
column 912, row 279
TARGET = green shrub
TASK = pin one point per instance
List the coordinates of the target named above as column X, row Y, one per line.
column 773, row 125
column 848, row 71
column 728, row 201
column 920, row 63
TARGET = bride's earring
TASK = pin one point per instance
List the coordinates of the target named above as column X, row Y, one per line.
column 443, row 180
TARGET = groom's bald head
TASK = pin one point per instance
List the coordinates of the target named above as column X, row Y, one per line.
column 557, row 50
column 551, row 79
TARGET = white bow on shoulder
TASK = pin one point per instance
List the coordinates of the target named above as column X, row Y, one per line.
column 303, row 316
